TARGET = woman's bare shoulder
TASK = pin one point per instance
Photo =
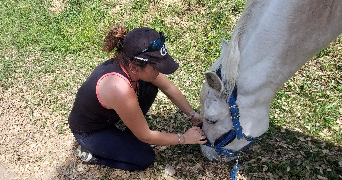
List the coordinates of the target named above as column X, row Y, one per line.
column 113, row 90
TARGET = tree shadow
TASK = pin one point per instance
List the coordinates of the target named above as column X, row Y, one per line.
column 288, row 154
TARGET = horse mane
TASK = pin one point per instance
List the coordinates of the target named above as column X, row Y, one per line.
column 228, row 62
column 230, row 53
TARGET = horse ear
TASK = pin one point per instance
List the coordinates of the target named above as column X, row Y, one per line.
column 213, row 81
column 224, row 46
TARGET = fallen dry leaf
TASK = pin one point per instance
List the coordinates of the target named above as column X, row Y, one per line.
column 322, row 178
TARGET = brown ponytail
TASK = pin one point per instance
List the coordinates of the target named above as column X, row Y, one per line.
column 114, row 39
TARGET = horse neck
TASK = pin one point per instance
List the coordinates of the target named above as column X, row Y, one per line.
column 275, row 39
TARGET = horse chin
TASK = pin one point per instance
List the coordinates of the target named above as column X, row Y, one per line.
column 212, row 155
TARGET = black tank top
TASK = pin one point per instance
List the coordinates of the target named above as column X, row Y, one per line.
column 88, row 114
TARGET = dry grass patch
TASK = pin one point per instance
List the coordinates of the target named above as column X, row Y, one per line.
column 58, row 6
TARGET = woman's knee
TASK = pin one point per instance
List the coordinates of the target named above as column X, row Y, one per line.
column 148, row 159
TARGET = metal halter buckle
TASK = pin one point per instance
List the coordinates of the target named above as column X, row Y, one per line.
column 233, row 107
column 235, row 117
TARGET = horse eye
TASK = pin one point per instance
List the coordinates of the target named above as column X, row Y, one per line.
column 209, row 121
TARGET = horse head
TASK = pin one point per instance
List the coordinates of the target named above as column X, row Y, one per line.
column 270, row 42
column 220, row 113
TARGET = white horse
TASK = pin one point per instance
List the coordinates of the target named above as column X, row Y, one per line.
column 272, row 40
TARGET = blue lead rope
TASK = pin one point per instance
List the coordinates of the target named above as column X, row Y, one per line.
column 234, row 171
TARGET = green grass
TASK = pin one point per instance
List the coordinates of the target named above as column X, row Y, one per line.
column 46, row 54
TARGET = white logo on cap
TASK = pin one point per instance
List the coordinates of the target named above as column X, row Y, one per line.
column 142, row 59
column 163, row 50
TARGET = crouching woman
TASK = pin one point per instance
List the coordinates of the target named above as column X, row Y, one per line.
column 124, row 88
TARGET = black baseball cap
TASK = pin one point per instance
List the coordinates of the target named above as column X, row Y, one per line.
column 148, row 45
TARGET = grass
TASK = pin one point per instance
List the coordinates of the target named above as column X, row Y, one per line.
column 48, row 48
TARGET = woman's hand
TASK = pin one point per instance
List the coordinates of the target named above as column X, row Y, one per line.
column 194, row 135
column 196, row 119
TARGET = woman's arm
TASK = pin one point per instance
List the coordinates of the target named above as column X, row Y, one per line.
column 115, row 93
column 177, row 97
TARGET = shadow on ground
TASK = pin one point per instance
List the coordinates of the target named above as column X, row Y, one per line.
column 278, row 154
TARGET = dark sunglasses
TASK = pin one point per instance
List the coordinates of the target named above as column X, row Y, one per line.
column 156, row 45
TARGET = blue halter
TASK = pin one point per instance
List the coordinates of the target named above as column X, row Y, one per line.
column 230, row 136
column 236, row 132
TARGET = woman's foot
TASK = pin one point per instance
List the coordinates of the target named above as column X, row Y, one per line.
column 85, row 155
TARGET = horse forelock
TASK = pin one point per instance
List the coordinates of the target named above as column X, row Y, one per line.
column 229, row 63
